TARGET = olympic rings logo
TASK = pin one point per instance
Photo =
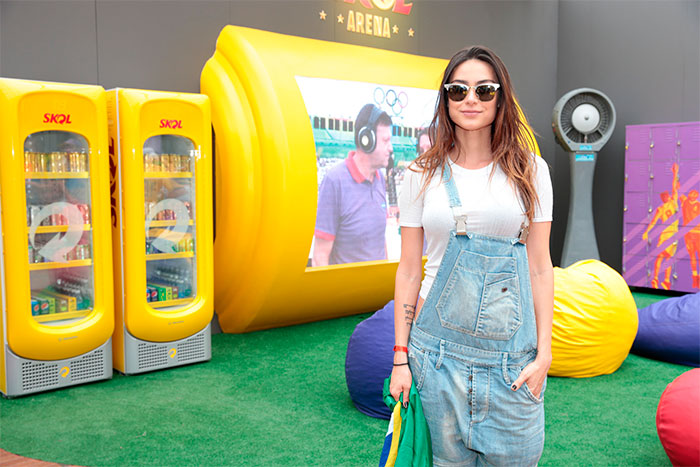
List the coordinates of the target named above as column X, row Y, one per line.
column 396, row 102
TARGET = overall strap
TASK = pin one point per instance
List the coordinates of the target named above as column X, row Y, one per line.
column 455, row 203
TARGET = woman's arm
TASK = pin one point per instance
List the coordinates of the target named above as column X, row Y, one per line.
column 408, row 279
column 542, row 280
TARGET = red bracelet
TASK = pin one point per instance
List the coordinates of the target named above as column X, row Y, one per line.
column 400, row 348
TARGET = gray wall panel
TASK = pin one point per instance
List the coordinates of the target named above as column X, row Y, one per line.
column 645, row 56
column 159, row 45
column 49, row 40
column 297, row 17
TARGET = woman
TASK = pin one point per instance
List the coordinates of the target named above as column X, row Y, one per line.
column 480, row 323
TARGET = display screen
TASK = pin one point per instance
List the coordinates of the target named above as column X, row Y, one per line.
column 366, row 135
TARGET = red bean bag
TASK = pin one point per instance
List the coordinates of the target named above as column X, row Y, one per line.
column 678, row 419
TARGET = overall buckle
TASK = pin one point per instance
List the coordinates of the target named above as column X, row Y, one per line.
column 524, row 232
column 461, row 228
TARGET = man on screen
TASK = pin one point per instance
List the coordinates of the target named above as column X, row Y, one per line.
column 351, row 217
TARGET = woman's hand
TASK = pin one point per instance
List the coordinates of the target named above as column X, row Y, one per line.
column 534, row 374
column 400, row 383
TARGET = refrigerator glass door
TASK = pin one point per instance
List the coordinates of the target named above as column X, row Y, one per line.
column 59, row 233
column 170, row 228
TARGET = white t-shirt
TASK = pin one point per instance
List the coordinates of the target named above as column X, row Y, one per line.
column 492, row 208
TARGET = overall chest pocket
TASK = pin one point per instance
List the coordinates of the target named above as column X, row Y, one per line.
column 481, row 297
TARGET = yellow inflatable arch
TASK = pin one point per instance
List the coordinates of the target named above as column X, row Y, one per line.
column 266, row 178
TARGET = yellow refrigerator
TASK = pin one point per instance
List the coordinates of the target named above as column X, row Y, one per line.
column 57, row 310
column 161, row 188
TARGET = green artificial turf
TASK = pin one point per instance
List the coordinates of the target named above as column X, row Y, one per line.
column 278, row 398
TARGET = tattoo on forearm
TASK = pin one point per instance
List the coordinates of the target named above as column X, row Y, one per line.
column 409, row 312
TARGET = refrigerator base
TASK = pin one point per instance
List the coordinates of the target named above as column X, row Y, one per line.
column 141, row 356
column 25, row 376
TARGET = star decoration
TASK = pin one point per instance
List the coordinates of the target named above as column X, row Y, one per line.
column 395, row 29
column 322, row 15
column 411, row 32
column 341, row 19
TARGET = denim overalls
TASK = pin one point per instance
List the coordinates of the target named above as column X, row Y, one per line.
column 475, row 333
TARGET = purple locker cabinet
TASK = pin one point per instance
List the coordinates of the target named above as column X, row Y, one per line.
column 669, row 258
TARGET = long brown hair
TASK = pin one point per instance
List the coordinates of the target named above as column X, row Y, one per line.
column 511, row 140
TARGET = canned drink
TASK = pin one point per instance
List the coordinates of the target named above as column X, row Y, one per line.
column 73, row 164
column 175, row 292
column 62, row 166
column 190, row 244
column 188, row 206
column 28, row 162
column 41, row 162
column 31, row 253
column 148, row 295
column 166, row 162
column 43, row 306
column 153, row 163
column 83, row 162
column 36, row 308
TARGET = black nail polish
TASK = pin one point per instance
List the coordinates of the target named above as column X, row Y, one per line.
column 514, row 387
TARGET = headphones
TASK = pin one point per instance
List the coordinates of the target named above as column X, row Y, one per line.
column 366, row 137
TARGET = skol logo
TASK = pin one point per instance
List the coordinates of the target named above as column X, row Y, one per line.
column 165, row 123
column 64, row 371
column 172, row 352
column 57, row 118
column 396, row 6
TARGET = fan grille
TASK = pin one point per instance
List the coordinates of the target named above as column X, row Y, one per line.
column 567, row 111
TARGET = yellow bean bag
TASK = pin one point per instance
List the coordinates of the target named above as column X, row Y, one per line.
column 595, row 320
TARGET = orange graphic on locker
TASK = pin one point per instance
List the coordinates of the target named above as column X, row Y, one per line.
column 664, row 213
column 690, row 207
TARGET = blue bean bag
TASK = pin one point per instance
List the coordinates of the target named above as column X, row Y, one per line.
column 669, row 330
column 369, row 360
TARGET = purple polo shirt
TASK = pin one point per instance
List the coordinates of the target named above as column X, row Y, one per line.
column 352, row 213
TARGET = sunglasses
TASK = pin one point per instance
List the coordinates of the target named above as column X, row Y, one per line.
column 484, row 92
